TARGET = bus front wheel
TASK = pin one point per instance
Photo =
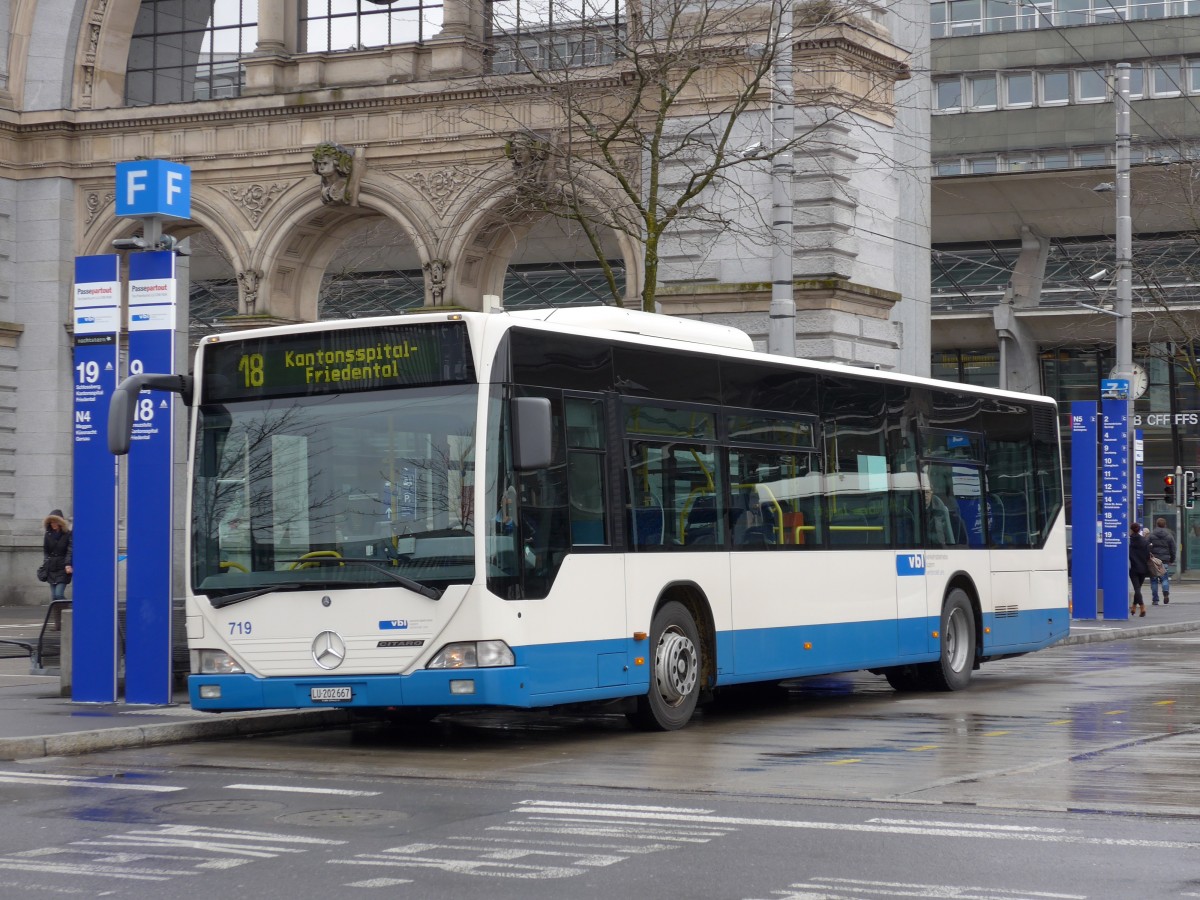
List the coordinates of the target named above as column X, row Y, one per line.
column 956, row 656
column 674, row 671
column 952, row 671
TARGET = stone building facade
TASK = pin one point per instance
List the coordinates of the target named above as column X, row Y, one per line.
column 317, row 157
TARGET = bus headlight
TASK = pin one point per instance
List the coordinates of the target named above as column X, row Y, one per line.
column 473, row 655
column 218, row 662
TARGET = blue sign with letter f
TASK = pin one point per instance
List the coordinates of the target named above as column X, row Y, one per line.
column 154, row 187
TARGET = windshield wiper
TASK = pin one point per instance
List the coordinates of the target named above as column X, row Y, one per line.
column 230, row 599
column 423, row 589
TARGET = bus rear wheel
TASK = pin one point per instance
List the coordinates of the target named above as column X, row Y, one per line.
column 674, row 671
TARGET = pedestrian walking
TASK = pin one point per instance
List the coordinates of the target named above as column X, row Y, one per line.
column 1139, row 567
column 1162, row 545
column 56, row 546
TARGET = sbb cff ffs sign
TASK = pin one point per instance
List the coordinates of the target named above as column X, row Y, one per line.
column 154, row 187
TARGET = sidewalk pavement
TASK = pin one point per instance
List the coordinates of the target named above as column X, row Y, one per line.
column 36, row 722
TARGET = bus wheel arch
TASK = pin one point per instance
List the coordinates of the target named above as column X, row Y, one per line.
column 681, row 655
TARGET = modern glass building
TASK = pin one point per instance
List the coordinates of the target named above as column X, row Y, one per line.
column 1023, row 139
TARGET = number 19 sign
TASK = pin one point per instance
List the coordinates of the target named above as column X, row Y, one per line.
column 97, row 323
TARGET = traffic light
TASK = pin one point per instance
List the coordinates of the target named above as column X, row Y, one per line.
column 1189, row 489
column 1169, row 489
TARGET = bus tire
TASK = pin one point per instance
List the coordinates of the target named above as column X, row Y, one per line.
column 952, row 671
column 905, row 678
column 675, row 664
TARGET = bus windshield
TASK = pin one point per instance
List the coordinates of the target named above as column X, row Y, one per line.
column 335, row 490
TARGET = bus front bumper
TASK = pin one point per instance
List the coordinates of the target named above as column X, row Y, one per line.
column 502, row 686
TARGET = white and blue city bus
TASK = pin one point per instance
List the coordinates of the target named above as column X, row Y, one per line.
column 531, row 509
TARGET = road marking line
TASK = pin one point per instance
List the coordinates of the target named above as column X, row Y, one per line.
column 462, row 866
column 1061, row 722
column 923, row 747
column 1163, row 702
column 1114, row 712
column 35, row 778
column 609, row 807
column 616, row 830
column 995, row 733
column 89, row 869
column 300, row 790
column 631, row 849
column 379, row 882
column 903, row 889
column 960, row 831
column 920, row 822
column 843, row 762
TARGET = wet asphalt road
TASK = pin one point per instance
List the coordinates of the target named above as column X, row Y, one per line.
column 1072, row 773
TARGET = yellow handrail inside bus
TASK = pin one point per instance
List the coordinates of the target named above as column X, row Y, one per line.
column 315, row 554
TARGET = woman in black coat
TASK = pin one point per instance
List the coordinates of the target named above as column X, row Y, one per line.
column 1139, row 566
column 56, row 546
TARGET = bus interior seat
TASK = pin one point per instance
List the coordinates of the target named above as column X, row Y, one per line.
column 701, row 526
column 648, row 526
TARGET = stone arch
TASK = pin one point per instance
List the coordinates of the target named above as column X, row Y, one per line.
column 106, row 31
column 306, row 233
column 483, row 238
column 38, row 24
column 206, row 216
column 205, row 220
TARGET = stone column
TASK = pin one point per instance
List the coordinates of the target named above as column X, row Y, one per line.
column 458, row 49
column 274, row 17
column 463, row 18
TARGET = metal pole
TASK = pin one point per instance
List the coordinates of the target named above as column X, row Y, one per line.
column 1178, row 509
column 1123, row 306
column 781, row 329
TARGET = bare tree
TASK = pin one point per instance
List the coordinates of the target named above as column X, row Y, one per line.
column 654, row 123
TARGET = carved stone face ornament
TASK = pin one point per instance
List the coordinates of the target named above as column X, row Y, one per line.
column 335, row 164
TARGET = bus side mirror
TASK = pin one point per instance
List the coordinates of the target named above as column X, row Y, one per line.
column 531, row 433
column 123, row 405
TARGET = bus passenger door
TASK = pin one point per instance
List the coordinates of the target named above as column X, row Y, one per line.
column 911, row 603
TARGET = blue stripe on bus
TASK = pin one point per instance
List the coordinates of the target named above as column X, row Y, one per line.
column 584, row 671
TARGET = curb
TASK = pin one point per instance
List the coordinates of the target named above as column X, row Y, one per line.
column 1120, row 634
column 157, row 735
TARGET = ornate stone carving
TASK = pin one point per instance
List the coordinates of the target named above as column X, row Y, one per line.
column 254, row 199
column 530, row 154
column 93, row 42
column 248, row 282
column 439, row 187
column 335, row 164
column 96, row 203
column 85, row 89
column 435, row 274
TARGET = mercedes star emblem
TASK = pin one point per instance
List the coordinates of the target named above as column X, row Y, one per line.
column 328, row 650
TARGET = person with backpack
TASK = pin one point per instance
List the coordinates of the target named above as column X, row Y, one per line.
column 1162, row 545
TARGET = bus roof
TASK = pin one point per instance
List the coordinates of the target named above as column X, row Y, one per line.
column 631, row 324
column 644, row 324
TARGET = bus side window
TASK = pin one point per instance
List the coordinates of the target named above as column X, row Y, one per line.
column 585, row 471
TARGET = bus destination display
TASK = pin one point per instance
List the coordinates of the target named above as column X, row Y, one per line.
column 338, row 361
